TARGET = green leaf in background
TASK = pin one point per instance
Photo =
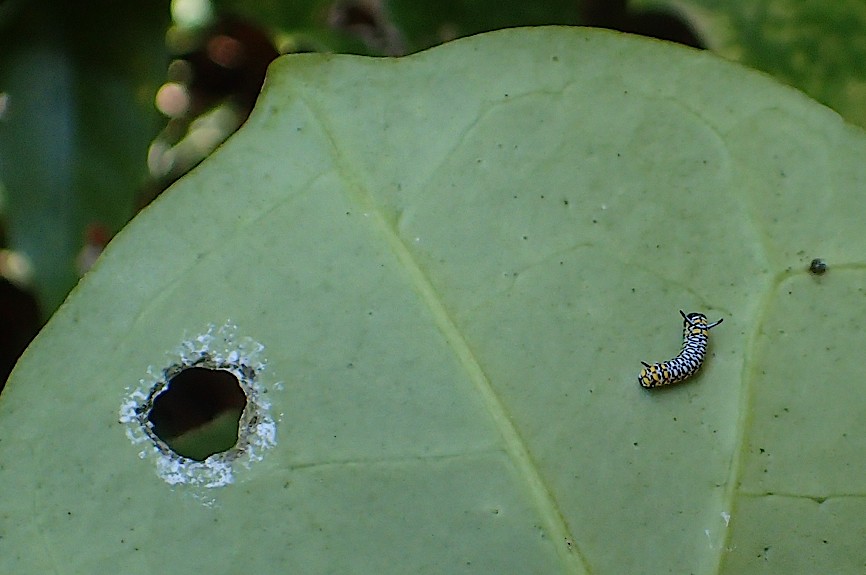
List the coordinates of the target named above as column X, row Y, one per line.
column 426, row 23
column 454, row 287
column 814, row 45
column 394, row 27
column 79, row 81
column 303, row 25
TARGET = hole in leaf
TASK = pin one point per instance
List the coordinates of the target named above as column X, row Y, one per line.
column 198, row 413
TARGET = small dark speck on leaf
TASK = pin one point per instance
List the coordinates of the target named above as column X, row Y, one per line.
column 818, row 267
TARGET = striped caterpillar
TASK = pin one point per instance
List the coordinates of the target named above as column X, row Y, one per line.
column 688, row 362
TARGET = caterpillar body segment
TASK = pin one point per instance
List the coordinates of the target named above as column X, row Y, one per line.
column 696, row 332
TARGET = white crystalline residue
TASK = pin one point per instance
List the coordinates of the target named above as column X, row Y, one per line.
column 264, row 437
column 212, row 472
column 222, row 476
column 170, row 470
column 267, row 433
column 129, row 416
column 726, row 517
column 127, row 411
column 222, row 346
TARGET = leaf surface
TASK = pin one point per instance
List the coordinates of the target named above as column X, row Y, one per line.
column 454, row 263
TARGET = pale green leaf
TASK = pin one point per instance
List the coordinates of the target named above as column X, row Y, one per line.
column 454, row 263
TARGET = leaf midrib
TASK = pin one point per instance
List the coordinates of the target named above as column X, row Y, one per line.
column 568, row 549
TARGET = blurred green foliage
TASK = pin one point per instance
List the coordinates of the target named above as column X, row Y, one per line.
column 78, row 80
